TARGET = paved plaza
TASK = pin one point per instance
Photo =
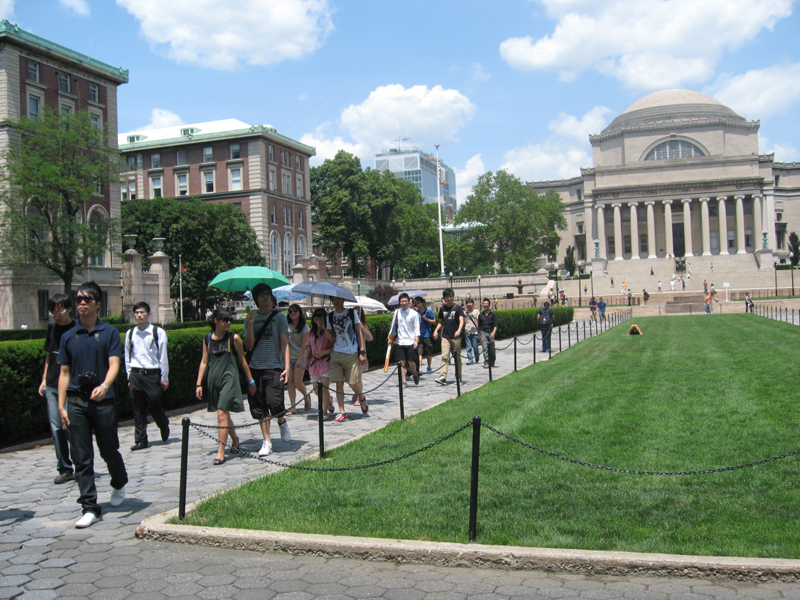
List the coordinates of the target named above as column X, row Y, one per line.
column 43, row 556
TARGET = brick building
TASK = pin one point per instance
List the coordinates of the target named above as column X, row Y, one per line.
column 264, row 173
column 35, row 73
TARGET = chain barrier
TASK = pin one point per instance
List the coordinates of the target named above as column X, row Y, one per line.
column 558, row 456
column 292, row 405
column 334, row 469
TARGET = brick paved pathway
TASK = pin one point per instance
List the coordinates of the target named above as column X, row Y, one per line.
column 42, row 555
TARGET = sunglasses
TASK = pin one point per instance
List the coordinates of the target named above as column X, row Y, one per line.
column 57, row 313
column 293, row 310
column 83, row 299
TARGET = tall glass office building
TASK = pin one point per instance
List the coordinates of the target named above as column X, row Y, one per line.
column 418, row 167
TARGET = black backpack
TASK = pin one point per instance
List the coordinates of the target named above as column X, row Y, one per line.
column 545, row 317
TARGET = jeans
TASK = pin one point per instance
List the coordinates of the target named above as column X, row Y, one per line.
column 488, row 348
column 546, row 333
column 708, row 309
column 450, row 345
column 472, row 345
column 60, row 435
column 87, row 417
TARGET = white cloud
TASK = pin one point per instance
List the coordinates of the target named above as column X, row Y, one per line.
column 760, row 93
column 160, row 117
column 467, row 177
column 646, row 45
column 563, row 154
column 6, row 9
column 221, row 35
column 79, row 6
column 478, row 73
column 426, row 116
column 783, row 152
column 327, row 147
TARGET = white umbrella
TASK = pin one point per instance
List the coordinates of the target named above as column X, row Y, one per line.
column 366, row 303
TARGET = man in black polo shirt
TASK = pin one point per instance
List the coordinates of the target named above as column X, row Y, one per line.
column 487, row 323
column 89, row 356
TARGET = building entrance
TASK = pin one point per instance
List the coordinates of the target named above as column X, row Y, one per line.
column 678, row 241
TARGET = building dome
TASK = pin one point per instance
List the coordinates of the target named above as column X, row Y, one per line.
column 672, row 107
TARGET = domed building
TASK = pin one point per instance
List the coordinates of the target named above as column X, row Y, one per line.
column 679, row 175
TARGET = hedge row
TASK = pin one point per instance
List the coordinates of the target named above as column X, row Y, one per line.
column 24, row 412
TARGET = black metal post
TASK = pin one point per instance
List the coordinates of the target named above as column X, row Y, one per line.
column 584, row 329
column 569, row 336
column 400, row 386
column 184, row 468
column 490, row 372
column 533, row 343
column 473, row 485
column 321, row 420
column 559, row 338
column 515, row 354
column 458, row 375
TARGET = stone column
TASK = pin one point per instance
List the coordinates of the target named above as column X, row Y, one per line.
column 740, row 246
column 757, row 221
column 634, row 231
column 159, row 265
column 587, row 230
column 651, row 229
column 706, row 229
column 618, row 253
column 687, row 225
column 601, row 230
column 668, row 226
column 769, row 218
column 723, row 225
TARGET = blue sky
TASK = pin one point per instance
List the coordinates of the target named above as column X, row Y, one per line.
column 514, row 84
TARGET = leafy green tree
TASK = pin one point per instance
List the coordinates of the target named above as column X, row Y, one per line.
column 55, row 168
column 794, row 248
column 569, row 261
column 510, row 218
column 209, row 238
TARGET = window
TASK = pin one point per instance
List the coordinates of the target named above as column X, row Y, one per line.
column 285, row 158
column 643, row 244
column 580, row 228
column 208, row 181
column 301, row 246
column 132, row 139
column 34, row 106
column 288, row 254
column 272, row 153
column 626, row 241
column 610, row 245
column 236, row 179
column 94, row 92
column 129, row 190
column 674, row 149
column 236, row 152
column 747, row 206
column 208, row 154
column 182, row 183
column 155, row 161
column 181, row 158
column 66, row 109
column 300, row 218
column 748, row 238
column 237, row 205
column 94, row 119
column 298, row 162
column 33, row 72
column 731, row 240
column 273, row 216
column 131, row 162
column 274, row 251
column 155, row 186
column 778, row 216
column 98, row 228
column 273, row 186
column 286, row 184
column 626, row 214
column 42, row 298
column 712, row 209
column 64, row 83
column 299, row 187
column 714, row 238
column 189, row 131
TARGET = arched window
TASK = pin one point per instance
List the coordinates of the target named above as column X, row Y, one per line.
column 674, row 149
column 301, row 245
column 274, row 252
column 98, row 230
column 288, row 254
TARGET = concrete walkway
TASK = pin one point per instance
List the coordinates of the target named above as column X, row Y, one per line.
column 43, row 556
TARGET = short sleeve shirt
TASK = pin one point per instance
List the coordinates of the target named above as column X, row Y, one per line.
column 51, row 346
column 450, row 316
column 342, row 325
column 296, row 342
column 87, row 351
column 267, row 353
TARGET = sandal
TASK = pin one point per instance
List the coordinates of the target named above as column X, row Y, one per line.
column 234, row 444
column 355, row 399
column 218, row 461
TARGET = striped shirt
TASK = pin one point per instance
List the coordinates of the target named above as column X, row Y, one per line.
column 267, row 354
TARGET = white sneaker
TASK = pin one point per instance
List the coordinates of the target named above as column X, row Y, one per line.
column 117, row 496
column 266, row 448
column 286, row 436
column 87, row 520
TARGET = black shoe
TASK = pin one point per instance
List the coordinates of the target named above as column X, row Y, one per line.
column 165, row 434
column 139, row 446
column 416, row 378
column 63, row 478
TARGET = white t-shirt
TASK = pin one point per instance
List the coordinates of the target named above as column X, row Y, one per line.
column 407, row 326
column 342, row 325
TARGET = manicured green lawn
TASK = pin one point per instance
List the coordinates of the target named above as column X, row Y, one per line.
column 691, row 393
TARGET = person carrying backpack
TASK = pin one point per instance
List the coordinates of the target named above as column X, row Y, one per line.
column 546, row 316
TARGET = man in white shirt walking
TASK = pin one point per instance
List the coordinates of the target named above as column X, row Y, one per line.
column 147, row 367
column 406, row 323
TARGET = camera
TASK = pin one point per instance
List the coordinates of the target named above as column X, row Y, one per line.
column 87, row 380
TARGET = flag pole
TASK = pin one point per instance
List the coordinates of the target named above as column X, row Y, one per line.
column 439, row 211
column 180, row 282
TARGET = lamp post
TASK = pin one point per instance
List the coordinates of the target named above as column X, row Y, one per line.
column 393, row 282
column 776, row 278
column 358, row 283
column 480, row 293
column 404, row 285
column 451, row 280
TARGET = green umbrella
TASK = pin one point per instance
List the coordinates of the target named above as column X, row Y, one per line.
column 242, row 279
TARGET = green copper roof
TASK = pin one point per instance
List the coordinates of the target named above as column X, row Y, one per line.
column 13, row 31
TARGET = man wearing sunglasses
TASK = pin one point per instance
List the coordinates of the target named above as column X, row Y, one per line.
column 89, row 355
column 59, row 307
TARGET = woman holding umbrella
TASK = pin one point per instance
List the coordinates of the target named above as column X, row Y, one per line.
column 221, row 389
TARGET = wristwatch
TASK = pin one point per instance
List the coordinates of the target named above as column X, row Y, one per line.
column 362, row 351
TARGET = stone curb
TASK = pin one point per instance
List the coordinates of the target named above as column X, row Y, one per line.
column 445, row 554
